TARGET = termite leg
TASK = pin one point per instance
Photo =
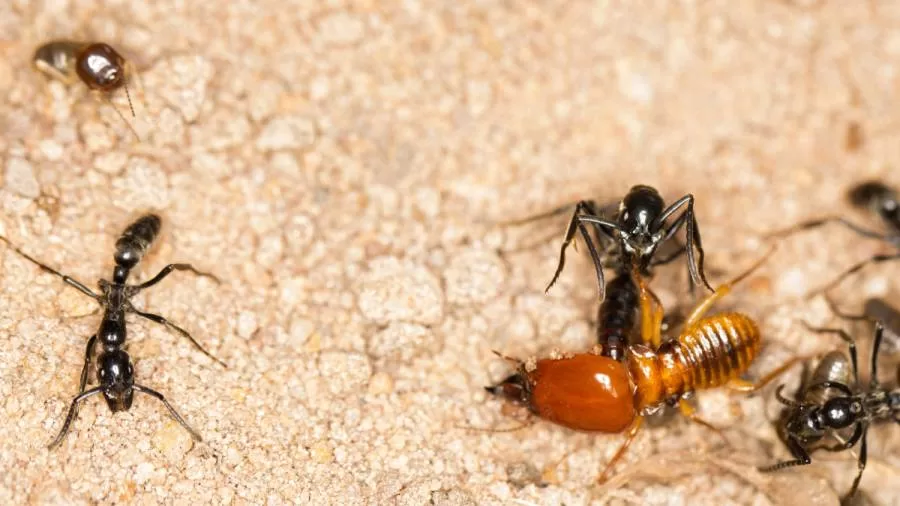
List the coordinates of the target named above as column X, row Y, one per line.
column 744, row 386
column 629, row 438
column 690, row 413
column 652, row 313
column 724, row 290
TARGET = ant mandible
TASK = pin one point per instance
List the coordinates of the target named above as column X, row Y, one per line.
column 115, row 372
column 833, row 403
column 100, row 67
column 597, row 393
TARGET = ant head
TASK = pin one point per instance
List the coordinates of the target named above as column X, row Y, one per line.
column 840, row 412
column 515, row 388
column 116, row 375
column 805, row 423
column 638, row 213
column 101, row 67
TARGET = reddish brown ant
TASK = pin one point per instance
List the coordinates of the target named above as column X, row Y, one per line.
column 596, row 393
column 100, row 67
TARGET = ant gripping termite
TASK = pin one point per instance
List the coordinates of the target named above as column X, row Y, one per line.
column 833, row 403
column 635, row 233
column 115, row 372
column 596, row 393
column 629, row 245
column 873, row 196
column 100, row 67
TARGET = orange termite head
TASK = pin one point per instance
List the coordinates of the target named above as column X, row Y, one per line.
column 584, row 392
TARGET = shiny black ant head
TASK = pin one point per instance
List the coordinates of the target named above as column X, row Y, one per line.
column 516, row 388
column 805, row 423
column 873, row 195
column 100, row 67
column 116, row 375
column 638, row 214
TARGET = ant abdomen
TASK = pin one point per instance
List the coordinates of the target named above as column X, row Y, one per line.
column 708, row 354
column 136, row 240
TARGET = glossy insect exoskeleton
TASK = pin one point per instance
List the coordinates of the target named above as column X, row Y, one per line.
column 834, row 405
column 597, row 393
column 100, row 67
column 115, row 373
column 629, row 235
column 872, row 196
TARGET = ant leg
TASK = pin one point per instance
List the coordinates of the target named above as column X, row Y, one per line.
column 168, row 270
column 856, row 268
column 575, row 224
column 68, row 280
column 169, row 325
column 690, row 413
column 742, row 385
column 73, row 409
column 723, row 290
column 807, row 225
column 652, row 313
column 876, row 346
column 667, row 259
column 632, row 434
column 175, row 415
column 851, row 343
column 536, row 217
column 87, row 363
column 861, row 464
column 801, row 457
column 688, row 219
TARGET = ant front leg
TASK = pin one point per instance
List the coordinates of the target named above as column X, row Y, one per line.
column 860, row 464
column 67, row 279
column 169, row 325
column 810, row 224
column 576, row 225
column 73, row 410
column 87, row 362
column 172, row 412
column 801, row 457
column 168, row 270
column 856, row 268
column 692, row 231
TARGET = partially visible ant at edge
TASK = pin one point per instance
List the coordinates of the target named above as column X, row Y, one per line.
column 595, row 393
column 628, row 244
column 115, row 372
column 833, row 403
column 100, row 67
column 872, row 196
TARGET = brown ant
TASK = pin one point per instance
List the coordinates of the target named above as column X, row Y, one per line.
column 597, row 393
column 100, row 67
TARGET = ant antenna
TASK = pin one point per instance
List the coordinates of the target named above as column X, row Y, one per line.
column 784, row 400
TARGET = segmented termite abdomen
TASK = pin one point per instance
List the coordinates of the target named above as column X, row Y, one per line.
column 709, row 353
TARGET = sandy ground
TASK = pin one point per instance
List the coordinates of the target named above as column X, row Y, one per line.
column 342, row 166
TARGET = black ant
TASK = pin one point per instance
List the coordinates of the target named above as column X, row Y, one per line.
column 629, row 243
column 100, row 67
column 873, row 196
column 833, row 403
column 115, row 372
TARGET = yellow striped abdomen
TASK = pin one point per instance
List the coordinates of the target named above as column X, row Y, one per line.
column 707, row 354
